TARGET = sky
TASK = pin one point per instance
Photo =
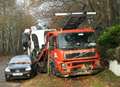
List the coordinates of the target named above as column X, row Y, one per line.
column 19, row 2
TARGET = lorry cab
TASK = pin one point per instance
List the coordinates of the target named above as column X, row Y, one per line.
column 72, row 52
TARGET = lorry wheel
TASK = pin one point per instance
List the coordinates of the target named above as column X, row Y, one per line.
column 54, row 71
column 42, row 67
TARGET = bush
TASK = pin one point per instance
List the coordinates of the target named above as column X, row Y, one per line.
column 110, row 38
column 11, row 28
column 108, row 42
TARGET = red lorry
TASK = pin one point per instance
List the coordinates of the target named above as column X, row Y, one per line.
column 70, row 52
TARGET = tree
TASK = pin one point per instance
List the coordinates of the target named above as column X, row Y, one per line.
column 12, row 24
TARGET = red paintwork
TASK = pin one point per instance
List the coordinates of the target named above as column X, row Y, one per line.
column 70, row 31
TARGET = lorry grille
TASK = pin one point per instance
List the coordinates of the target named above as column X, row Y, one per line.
column 78, row 55
column 87, row 67
column 79, row 63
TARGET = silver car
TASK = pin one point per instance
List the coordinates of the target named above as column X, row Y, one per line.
column 20, row 66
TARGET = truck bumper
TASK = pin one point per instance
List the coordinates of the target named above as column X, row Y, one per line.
column 85, row 72
column 82, row 72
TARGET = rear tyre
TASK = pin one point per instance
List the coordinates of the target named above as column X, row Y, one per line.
column 41, row 67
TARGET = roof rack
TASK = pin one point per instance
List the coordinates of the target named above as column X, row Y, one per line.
column 75, row 19
column 75, row 13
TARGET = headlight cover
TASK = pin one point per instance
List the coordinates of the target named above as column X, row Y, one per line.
column 28, row 68
column 7, row 69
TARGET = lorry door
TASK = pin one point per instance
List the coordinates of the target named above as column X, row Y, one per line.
column 52, row 46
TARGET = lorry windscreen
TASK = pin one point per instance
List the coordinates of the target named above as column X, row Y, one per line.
column 77, row 40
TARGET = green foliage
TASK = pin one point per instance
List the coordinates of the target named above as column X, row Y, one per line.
column 110, row 38
column 109, row 43
column 109, row 78
column 11, row 28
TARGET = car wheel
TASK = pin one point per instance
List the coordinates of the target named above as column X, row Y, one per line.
column 31, row 75
column 7, row 78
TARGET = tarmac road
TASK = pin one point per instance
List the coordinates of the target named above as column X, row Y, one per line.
column 3, row 62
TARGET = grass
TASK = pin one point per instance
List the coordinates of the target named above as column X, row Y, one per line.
column 44, row 80
column 109, row 78
column 97, row 84
column 102, row 79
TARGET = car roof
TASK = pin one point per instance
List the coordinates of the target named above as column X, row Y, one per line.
column 20, row 58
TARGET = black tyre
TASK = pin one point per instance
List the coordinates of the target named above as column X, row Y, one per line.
column 54, row 71
column 42, row 67
column 32, row 74
column 7, row 78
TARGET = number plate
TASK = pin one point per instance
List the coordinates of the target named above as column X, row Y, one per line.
column 17, row 74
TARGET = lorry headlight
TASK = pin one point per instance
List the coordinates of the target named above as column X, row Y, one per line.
column 28, row 69
column 7, row 70
column 64, row 65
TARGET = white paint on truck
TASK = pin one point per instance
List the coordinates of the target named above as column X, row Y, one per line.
column 40, row 36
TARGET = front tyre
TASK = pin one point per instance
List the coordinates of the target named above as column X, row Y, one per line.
column 7, row 78
column 53, row 70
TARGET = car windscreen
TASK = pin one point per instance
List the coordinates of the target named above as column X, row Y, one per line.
column 20, row 60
